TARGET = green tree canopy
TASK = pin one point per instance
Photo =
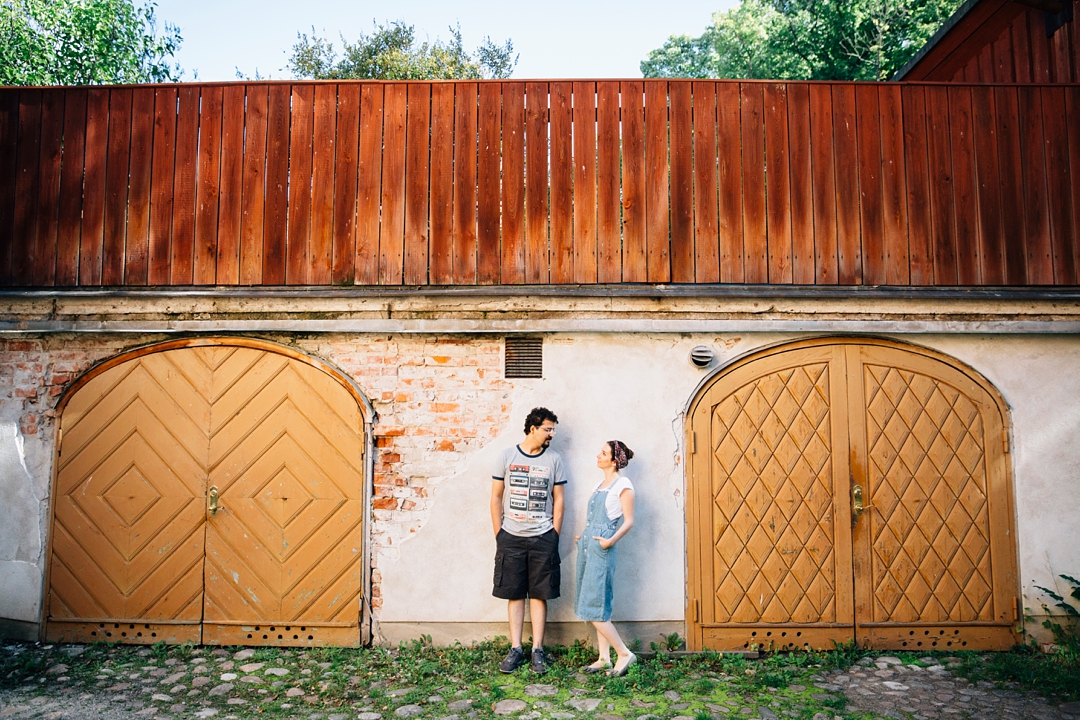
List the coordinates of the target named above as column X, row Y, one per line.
column 804, row 39
column 391, row 52
column 81, row 42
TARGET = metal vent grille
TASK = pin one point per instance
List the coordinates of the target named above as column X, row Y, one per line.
column 524, row 357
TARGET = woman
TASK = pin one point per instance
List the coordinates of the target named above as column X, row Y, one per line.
column 610, row 516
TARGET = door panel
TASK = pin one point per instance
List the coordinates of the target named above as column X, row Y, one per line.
column 128, row 516
column 283, row 552
column 775, row 556
column 141, row 444
column 927, row 569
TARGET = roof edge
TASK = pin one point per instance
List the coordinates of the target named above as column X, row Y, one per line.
column 930, row 44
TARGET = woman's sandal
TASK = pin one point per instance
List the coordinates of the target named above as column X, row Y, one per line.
column 619, row 672
column 594, row 668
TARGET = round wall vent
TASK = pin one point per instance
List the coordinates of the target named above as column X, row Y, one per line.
column 701, row 356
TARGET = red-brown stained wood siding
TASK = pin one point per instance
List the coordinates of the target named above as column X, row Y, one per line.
column 575, row 182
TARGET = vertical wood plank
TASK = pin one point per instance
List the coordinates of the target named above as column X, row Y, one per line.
column 562, row 184
column 513, row 184
column 916, row 161
column 369, row 183
column 657, row 198
column 634, row 264
column 755, row 229
column 93, row 207
column 1040, row 263
column 802, row 191
column 321, row 245
column 488, row 187
column 276, row 218
column 1040, row 56
column 584, row 119
column 1060, row 55
column 116, row 187
column 69, row 222
column 1021, row 51
column 968, row 250
column 608, row 205
column 27, row 185
column 942, row 206
column 848, row 241
column 52, row 143
column 346, row 146
column 706, row 228
column 162, row 177
column 1010, row 163
column 1002, row 52
column 417, row 165
column 298, row 243
column 392, row 230
column 777, row 184
column 986, row 64
column 9, row 138
column 729, row 134
column 253, row 204
column 442, row 184
column 868, row 129
column 992, row 267
column 682, row 181
column 1072, row 114
column 1059, row 184
column 231, row 186
column 894, row 201
column 207, row 190
column 141, row 163
column 181, row 268
column 536, row 183
column 821, row 143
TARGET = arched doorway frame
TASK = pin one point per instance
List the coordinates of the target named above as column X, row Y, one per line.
column 367, row 411
column 724, row 369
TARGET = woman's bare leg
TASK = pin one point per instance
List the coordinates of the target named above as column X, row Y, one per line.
column 607, row 638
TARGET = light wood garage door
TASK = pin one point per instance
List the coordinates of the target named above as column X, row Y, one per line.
column 208, row 494
column 849, row 490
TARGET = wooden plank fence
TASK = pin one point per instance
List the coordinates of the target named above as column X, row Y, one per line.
column 540, row 182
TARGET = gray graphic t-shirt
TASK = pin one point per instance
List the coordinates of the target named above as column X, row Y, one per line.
column 527, row 495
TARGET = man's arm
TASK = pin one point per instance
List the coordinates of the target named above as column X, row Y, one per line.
column 497, row 487
column 557, row 507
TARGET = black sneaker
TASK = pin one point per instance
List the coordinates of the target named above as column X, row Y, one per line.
column 539, row 663
column 513, row 660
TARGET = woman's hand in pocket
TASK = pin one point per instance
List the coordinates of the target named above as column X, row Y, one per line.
column 605, row 543
column 576, row 538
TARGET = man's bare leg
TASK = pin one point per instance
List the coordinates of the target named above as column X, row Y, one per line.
column 538, row 615
column 515, row 611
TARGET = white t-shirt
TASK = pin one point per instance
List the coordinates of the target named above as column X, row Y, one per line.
column 613, row 504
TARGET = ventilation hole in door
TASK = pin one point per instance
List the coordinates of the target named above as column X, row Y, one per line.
column 249, row 636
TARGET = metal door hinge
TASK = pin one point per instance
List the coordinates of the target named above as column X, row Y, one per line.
column 59, row 440
column 1005, row 441
column 1016, row 609
column 693, row 442
column 697, row 610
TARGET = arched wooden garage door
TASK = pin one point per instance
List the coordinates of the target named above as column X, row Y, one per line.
column 788, row 444
column 208, row 494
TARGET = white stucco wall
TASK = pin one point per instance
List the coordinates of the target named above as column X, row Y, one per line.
column 634, row 387
column 23, row 491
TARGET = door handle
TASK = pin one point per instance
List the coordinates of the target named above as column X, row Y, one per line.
column 857, row 507
column 213, row 496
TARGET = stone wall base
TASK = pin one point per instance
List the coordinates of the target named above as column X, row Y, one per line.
column 18, row 630
column 558, row 633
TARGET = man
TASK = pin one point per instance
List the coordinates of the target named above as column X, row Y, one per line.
column 526, row 516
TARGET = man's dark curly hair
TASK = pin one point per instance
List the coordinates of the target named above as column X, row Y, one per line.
column 536, row 418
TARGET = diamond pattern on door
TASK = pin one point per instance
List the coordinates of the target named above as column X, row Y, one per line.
column 135, row 555
column 773, row 559
column 927, row 473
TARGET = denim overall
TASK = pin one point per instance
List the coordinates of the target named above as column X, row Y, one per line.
column 595, row 565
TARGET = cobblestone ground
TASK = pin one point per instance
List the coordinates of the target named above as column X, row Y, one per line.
column 75, row 682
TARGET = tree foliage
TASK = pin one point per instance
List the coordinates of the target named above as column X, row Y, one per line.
column 391, row 52
column 81, row 42
column 804, row 39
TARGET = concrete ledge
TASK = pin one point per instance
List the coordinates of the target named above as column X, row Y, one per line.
column 18, row 630
column 557, row 633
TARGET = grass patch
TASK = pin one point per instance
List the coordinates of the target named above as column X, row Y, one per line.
column 1055, row 674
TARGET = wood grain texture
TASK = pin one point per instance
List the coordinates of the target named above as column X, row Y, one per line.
column 116, row 187
column 141, row 162
column 161, row 187
column 27, row 186
column 942, row 203
column 301, row 149
column 276, row 192
column 682, row 181
column 488, row 184
column 93, row 205
column 69, row 225
column 920, row 244
column 729, row 179
column 321, row 244
column 824, row 184
column 777, row 184
column 392, row 228
column 346, row 162
column 1039, row 252
column 368, row 184
column 848, row 200
column 208, row 188
column 634, row 264
column 230, row 186
column 755, row 229
column 253, row 204
column 185, row 170
column 442, row 185
column 871, row 221
column 1011, row 184
column 893, row 170
column 584, row 182
column 52, row 144
column 1059, row 186
column 417, row 168
column 609, row 186
column 984, row 118
column 657, row 198
column 512, row 265
column 706, row 225
column 801, row 189
column 562, row 183
column 968, row 242
column 9, row 140
column 537, row 267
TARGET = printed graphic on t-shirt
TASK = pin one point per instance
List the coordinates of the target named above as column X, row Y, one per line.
column 529, row 492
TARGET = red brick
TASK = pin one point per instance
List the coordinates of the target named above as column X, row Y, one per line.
column 389, row 503
column 445, row 446
column 26, row 392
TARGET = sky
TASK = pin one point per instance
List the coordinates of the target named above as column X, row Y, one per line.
column 555, row 38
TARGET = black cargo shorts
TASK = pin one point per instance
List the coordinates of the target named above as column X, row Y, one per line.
column 527, row 566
